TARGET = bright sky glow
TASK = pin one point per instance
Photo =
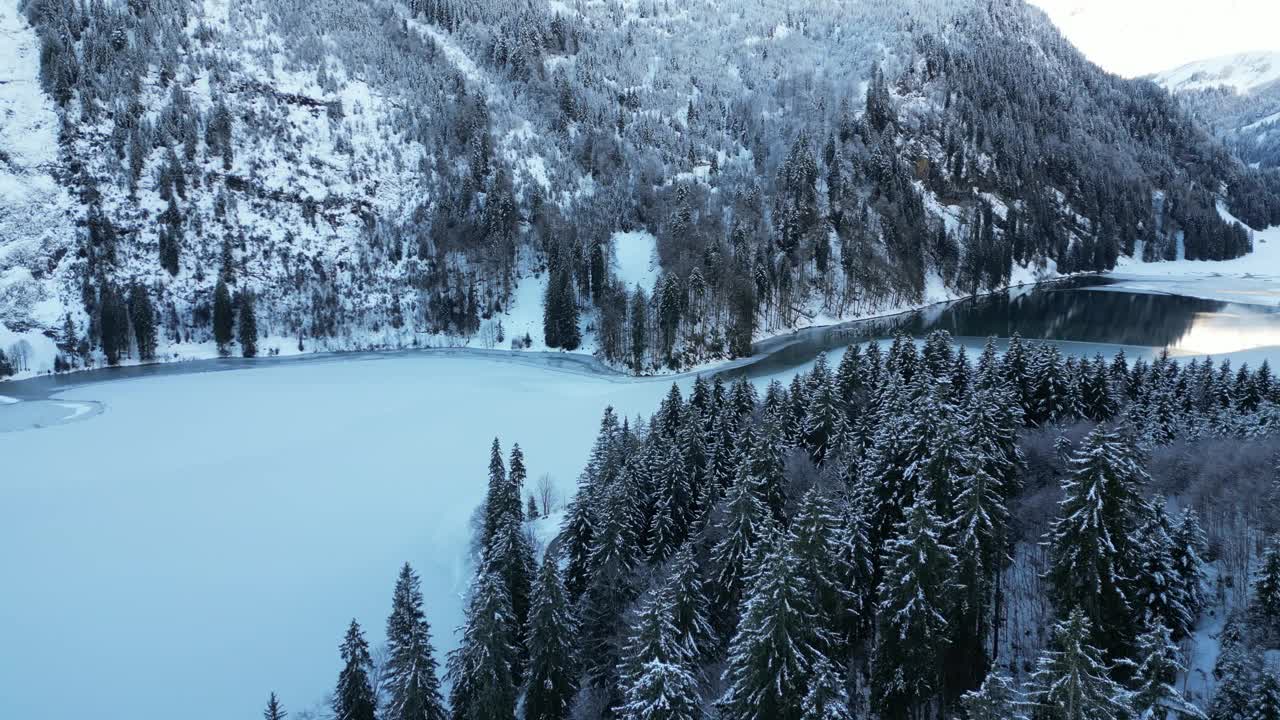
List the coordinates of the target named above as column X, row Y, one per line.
column 1140, row 37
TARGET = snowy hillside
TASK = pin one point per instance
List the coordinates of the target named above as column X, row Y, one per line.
column 1243, row 73
column 260, row 176
column 1238, row 97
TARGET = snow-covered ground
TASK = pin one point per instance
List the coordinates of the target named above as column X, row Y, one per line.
column 1253, row 279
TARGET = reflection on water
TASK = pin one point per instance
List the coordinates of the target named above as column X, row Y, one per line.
column 1083, row 310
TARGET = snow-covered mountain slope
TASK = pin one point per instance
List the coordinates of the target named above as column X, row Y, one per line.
column 38, row 216
column 1243, row 73
column 387, row 175
column 1238, row 96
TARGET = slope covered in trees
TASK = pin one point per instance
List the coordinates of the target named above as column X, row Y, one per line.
column 385, row 174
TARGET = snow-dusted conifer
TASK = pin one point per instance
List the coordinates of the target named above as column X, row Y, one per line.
column 410, row 681
column 482, row 668
column 744, row 515
column 1090, row 541
column 690, row 605
column 1158, row 664
column 1189, row 545
column 354, row 698
column 551, row 678
column 1157, row 589
column 912, row 616
column 274, row 711
column 1267, row 703
column 996, row 699
column 1071, row 681
column 773, row 653
column 827, row 698
column 1266, row 589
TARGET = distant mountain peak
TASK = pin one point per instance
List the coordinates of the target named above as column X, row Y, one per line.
column 1242, row 72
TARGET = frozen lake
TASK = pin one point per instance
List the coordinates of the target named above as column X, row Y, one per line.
column 193, row 540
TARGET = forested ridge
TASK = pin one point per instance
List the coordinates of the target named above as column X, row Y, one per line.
column 386, row 175
column 909, row 534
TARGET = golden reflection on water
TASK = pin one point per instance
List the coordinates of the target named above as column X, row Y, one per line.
column 1230, row 330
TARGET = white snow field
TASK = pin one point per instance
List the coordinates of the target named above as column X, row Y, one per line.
column 205, row 539
column 1253, row 279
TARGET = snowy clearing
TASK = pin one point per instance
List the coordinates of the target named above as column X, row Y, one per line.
column 1253, row 279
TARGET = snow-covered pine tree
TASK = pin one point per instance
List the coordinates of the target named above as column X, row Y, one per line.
column 1189, row 545
column 274, row 711
column 1158, row 664
column 354, row 697
column 482, row 668
column 763, row 464
column 814, row 547
column 849, row 375
column 912, row 616
column 980, row 538
column 773, row 653
column 610, row 588
column 1090, row 541
column 1266, row 589
column 827, row 698
column 1157, row 590
column 690, row 605
column 996, row 699
column 495, row 501
column 740, row 528
column 1267, row 703
column 410, row 682
column 662, row 691
column 1072, row 682
column 825, row 422
column 1235, row 670
column 1097, row 398
column 1049, row 400
column 551, row 679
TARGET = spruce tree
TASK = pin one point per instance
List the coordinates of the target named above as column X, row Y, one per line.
column 223, row 317
column 740, row 528
column 814, row 546
column 912, row 616
column 1072, row 682
column 610, row 588
column 1157, row 590
column 1189, row 545
column 1267, row 704
column 662, row 691
column 143, row 318
column 247, row 328
column 482, row 668
column 354, row 698
column 980, row 537
column 825, row 422
column 274, row 711
column 551, row 680
column 1158, row 664
column 653, row 638
column 1266, row 589
column 410, row 681
column 996, row 699
column 1235, row 671
column 1090, row 547
column 690, row 605
column 775, row 649
column 827, row 698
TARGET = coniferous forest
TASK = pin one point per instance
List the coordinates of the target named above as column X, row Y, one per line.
column 387, row 174
column 911, row 534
